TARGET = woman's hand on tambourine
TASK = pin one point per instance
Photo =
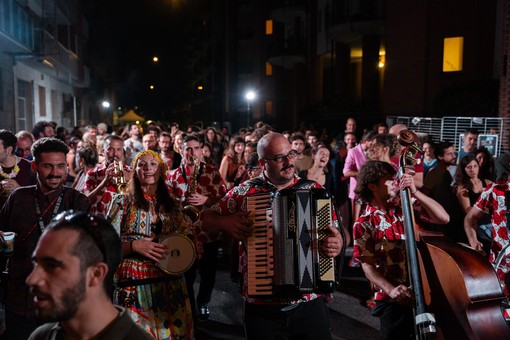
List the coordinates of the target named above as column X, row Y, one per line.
column 150, row 249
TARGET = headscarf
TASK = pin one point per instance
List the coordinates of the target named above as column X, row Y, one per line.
column 157, row 157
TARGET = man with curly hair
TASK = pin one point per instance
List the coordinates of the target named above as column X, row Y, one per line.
column 379, row 245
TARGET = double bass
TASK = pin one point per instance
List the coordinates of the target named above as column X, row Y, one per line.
column 457, row 292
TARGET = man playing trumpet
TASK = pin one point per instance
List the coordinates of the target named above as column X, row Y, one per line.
column 109, row 177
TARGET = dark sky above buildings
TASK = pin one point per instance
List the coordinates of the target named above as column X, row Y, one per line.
column 126, row 34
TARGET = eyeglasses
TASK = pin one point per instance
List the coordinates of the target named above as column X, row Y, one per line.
column 87, row 222
column 21, row 150
column 279, row 158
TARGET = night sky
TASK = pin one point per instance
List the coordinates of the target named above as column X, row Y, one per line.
column 126, row 34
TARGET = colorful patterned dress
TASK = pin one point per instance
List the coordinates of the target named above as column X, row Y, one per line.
column 156, row 301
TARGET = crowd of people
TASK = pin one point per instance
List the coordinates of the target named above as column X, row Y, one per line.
column 152, row 182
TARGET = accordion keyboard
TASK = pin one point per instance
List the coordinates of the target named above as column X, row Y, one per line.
column 326, row 264
column 260, row 246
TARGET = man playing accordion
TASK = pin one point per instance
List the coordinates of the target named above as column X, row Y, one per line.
column 300, row 315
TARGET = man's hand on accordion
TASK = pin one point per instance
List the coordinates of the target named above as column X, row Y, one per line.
column 239, row 225
column 332, row 244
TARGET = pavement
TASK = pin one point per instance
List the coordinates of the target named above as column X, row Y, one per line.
column 349, row 316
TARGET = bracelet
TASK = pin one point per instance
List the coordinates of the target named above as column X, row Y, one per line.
column 412, row 193
column 131, row 246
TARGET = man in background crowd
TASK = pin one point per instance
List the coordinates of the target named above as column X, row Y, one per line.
column 43, row 129
column 24, row 144
column 171, row 158
column 298, row 143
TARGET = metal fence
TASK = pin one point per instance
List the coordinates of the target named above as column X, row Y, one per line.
column 451, row 128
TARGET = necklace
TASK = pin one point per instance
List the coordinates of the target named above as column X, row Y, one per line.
column 13, row 173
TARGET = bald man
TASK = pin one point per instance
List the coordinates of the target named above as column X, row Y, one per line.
column 277, row 314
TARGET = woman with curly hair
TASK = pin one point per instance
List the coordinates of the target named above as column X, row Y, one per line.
column 156, row 301
column 383, row 148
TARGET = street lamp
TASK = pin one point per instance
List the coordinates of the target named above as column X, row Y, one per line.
column 105, row 104
column 249, row 96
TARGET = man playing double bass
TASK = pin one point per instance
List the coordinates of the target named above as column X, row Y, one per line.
column 379, row 244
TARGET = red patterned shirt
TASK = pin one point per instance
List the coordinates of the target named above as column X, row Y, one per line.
column 380, row 235
column 234, row 201
column 492, row 201
column 94, row 177
column 209, row 184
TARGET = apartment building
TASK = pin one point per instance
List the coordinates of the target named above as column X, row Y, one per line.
column 43, row 75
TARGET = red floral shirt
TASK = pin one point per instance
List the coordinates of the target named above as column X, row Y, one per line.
column 209, row 184
column 234, row 201
column 492, row 201
column 93, row 178
column 380, row 235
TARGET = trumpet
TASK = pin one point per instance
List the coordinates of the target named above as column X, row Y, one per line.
column 190, row 210
column 118, row 176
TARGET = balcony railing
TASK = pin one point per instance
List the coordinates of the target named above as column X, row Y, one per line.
column 16, row 23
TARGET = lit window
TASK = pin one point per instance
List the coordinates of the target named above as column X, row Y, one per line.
column 269, row 107
column 269, row 27
column 269, row 69
column 452, row 54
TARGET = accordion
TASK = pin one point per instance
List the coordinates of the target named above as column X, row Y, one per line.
column 284, row 251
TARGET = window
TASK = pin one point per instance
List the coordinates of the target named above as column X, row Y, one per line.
column 42, row 101
column 269, row 69
column 23, row 102
column 269, row 107
column 269, row 27
column 452, row 54
column 1, row 91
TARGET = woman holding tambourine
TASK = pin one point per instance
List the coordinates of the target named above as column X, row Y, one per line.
column 154, row 231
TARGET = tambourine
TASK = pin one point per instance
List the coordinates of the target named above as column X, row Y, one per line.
column 181, row 254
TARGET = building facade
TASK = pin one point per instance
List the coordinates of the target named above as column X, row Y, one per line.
column 43, row 75
column 320, row 61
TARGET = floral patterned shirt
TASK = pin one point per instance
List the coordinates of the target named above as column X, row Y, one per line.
column 235, row 201
column 492, row 201
column 381, row 235
column 93, row 178
column 209, row 184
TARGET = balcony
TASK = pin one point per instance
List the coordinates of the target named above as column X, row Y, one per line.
column 287, row 45
column 349, row 20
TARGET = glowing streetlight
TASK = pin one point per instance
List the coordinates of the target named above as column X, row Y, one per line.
column 249, row 96
column 155, row 59
column 105, row 104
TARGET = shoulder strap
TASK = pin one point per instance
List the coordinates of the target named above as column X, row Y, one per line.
column 303, row 183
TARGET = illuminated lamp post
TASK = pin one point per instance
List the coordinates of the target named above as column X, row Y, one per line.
column 249, row 96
